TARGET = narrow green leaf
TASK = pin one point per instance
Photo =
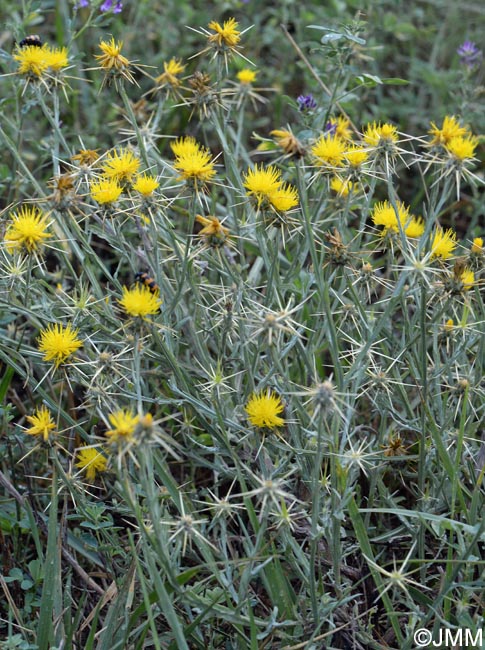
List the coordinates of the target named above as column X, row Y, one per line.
column 5, row 383
column 45, row 636
column 113, row 634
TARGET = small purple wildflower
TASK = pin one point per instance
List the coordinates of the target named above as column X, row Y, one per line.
column 306, row 102
column 108, row 4
column 330, row 128
column 469, row 54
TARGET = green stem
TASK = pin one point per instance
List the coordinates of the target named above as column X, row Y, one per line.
column 185, row 261
column 134, row 123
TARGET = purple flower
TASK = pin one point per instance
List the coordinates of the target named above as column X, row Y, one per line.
column 469, row 54
column 108, row 4
column 306, row 102
column 330, row 128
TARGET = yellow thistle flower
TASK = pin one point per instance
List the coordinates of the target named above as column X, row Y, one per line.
column 124, row 424
column 449, row 325
column 106, row 190
column 185, row 146
column 284, row 198
column 443, row 243
column 146, row 422
column 27, row 231
column 343, row 187
column 477, row 246
column 111, row 57
column 342, row 128
column 377, row 135
column 264, row 410
column 42, row 423
column 355, row 156
column 56, row 58
column 145, row 184
column 414, row 228
column 112, row 61
column 246, row 76
column 58, row 343
column 140, row 301
column 213, row 230
column 288, row 142
column 328, row 151
column 462, row 148
column 225, row 35
column 384, row 215
column 86, row 157
column 121, row 165
column 91, row 461
column 193, row 161
column 262, row 182
column 172, row 70
column 450, row 129
column 467, row 278
column 32, row 60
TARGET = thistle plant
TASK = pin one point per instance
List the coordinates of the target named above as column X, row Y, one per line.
column 242, row 319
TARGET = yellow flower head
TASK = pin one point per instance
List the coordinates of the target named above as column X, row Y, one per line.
column 477, row 246
column 380, row 135
column 343, row 187
column 121, row 165
column 213, row 230
column 262, row 182
column 106, row 190
column 124, row 424
column 340, row 128
column 42, row 423
column 462, row 148
column 443, row 243
column 450, row 129
column 448, row 326
column 86, row 157
column 328, row 151
column 288, row 142
column 140, row 301
column 58, row 343
column 56, row 58
column 264, row 410
column 467, row 278
column 91, row 461
column 32, row 60
column 145, row 184
column 193, row 161
column 111, row 57
column 384, row 215
column 414, row 227
column 284, row 198
column 27, row 231
column 226, row 35
column 246, row 76
column 170, row 75
column 112, row 61
column 355, row 156
column 185, row 146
